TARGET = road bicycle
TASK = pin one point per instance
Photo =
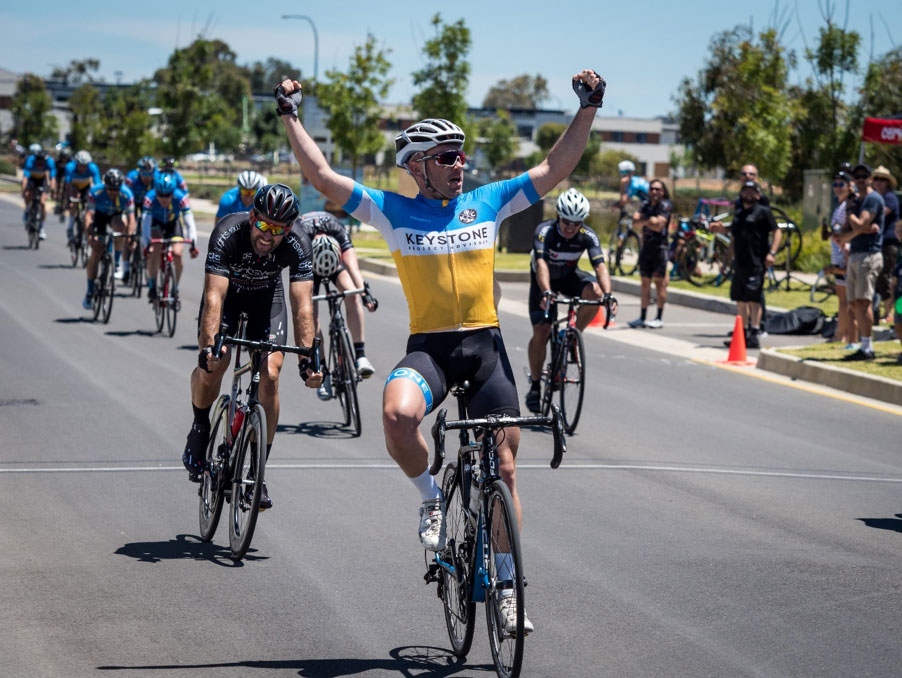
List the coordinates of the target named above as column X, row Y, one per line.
column 105, row 282
column 565, row 373
column 823, row 287
column 78, row 245
column 136, row 264
column 341, row 363
column 704, row 257
column 790, row 246
column 235, row 458
column 623, row 248
column 167, row 304
column 482, row 560
column 33, row 218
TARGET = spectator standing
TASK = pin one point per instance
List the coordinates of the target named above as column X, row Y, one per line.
column 864, row 233
column 654, row 218
column 846, row 327
column 885, row 184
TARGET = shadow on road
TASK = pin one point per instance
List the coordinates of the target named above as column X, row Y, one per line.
column 891, row 524
column 69, row 321
column 317, row 429
column 409, row 661
column 56, row 266
column 16, row 247
column 133, row 333
column 183, row 547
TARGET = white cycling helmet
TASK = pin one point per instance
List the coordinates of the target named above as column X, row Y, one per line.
column 572, row 205
column 326, row 256
column 626, row 166
column 424, row 135
column 34, row 149
column 248, row 179
column 83, row 158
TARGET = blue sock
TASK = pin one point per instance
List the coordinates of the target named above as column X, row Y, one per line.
column 90, row 287
column 117, row 256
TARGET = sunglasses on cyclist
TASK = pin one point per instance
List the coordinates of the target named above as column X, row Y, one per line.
column 448, row 158
column 247, row 191
column 266, row 227
column 567, row 222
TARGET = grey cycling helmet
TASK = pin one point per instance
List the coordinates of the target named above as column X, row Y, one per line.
column 626, row 166
column 113, row 179
column 326, row 256
column 34, row 149
column 248, row 179
column 572, row 205
column 277, row 202
column 424, row 135
column 83, row 158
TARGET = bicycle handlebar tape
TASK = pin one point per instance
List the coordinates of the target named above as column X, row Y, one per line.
column 438, row 437
column 287, row 104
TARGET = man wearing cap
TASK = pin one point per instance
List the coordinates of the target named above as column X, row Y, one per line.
column 885, row 183
column 864, row 233
column 753, row 254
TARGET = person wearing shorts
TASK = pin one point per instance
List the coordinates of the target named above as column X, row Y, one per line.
column 846, row 327
column 654, row 219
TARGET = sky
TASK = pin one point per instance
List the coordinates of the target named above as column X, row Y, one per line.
column 643, row 49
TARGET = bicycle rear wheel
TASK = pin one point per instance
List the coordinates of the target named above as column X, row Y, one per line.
column 821, row 289
column 247, row 482
column 628, row 256
column 172, row 299
column 109, row 287
column 792, row 238
column 75, row 251
column 159, row 305
column 573, row 379
column 348, row 371
column 505, row 580
column 136, row 273
column 215, row 479
column 457, row 585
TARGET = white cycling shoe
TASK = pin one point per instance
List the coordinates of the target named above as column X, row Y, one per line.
column 365, row 368
column 432, row 524
column 507, row 608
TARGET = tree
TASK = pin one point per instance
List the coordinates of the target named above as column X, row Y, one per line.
column 881, row 97
column 31, row 105
column 835, row 56
column 87, row 116
column 524, row 91
column 498, row 139
column 128, row 134
column 200, row 93
column 77, row 72
column 548, row 134
column 445, row 74
column 352, row 101
column 264, row 75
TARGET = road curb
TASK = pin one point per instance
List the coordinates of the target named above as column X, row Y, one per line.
column 869, row 386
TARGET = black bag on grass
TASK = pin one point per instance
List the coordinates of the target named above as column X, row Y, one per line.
column 801, row 320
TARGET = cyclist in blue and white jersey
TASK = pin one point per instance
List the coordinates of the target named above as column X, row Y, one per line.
column 164, row 207
column 81, row 175
column 168, row 165
column 39, row 172
column 631, row 186
column 443, row 243
column 110, row 204
column 240, row 198
column 140, row 181
column 63, row 156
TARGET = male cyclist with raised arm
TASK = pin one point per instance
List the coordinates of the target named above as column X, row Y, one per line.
column 110, row 204
column 334, row 258
column 240, row 198
column 81, row 176
column 558, row 245
column 443, row 243
column 39, row 171
column 245, row 258
column 164, row 207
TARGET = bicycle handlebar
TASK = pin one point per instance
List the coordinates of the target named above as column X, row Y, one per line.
column 492, row 422
column 335, row 294
column 170, row 241
column 554, row 297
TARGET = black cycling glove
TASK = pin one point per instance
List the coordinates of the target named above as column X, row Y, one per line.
column 202, row 358
column 590, row 97
column 287, row 104
column 304, row 364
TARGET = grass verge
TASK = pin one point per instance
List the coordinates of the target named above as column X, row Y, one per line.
column 884, row 365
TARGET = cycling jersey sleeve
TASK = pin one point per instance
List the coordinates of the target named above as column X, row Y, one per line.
column 29, row 163
column 300, row 267
column 596, row 255
column 190, row 226
column 51, row 167
column 146, row 223
column 95, row 175
column 70, row 168
column 538, row 242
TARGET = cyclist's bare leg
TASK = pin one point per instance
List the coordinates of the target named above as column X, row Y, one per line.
column 536, row 349
column 269, row 391
column 94, row 259
column 403, row 408
column 509, row 442
column 177, row 261
column 205, row 385
column 354, row 305
column 743, row 309
column 585, row 314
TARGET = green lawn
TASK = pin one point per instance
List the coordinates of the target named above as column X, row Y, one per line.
column 798, row 295
column 885, row 364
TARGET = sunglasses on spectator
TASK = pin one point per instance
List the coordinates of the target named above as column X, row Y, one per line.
column 839, row 184
column 655, row 188
column 448, row 158
column 861, row 177
column 266, row 227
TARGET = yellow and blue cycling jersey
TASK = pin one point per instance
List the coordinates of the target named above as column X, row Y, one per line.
column 39, row 170
column 445, row 250
column 99, row 200
column 83, row 177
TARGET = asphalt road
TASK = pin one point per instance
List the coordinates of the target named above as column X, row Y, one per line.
column 704, row 523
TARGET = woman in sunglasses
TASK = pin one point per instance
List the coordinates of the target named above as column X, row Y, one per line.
column 846, row 327
column 245, row 258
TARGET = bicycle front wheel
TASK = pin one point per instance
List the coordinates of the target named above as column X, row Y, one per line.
column 247, row 481
column 792, row 238
column 457, row 600
column 215, row 478
column 109, row 286
column 136, row 275
column 628, row 256
column 170, row 293
column 159, row 304
column 573, row 379
column 349, row 384
column 613, row 249
column 74, row 251
column 821, row 290
column 549, row 378
column 504, row 601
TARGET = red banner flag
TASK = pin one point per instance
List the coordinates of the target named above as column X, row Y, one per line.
column 882, row 131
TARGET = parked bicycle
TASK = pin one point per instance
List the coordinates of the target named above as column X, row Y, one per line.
column 235, row 459
column 790, row 247
column 78, row 244
column 623, row 248
column 33, row 218
column 482, row 560
column 341, row 364
column 703, row 257
column 565, row 373
column 167, row 304
column 105, row 282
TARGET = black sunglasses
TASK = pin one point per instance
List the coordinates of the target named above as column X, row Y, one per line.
column 861, row 177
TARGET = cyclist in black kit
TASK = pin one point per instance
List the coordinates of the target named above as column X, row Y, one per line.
column 557, row 247
column 246, row 255
column 654, row 218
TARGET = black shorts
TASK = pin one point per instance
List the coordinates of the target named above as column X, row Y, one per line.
column 570, row 285
column 747, row 285
column 317, row 280
column 102, row 220
column 436, row 361
column 34, row 184
column 653, row 262
column 167, row 229
column 267, row 314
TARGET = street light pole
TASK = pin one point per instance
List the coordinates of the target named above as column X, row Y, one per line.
column 315, row 41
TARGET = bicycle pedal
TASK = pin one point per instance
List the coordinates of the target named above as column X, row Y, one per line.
column 433, row 573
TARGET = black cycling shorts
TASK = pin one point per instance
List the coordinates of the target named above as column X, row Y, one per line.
column 317, row 280
column 570, row 285
column 267, row 314
column 436, row 361
column 653, row 262
column 102, row 220
column 166, row 229
column 747, row 285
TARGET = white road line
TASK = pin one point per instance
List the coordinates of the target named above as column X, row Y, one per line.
column 564, row 467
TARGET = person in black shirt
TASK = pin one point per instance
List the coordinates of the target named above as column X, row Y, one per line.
column 752, row 255
column 654, row 218
column 246, row 255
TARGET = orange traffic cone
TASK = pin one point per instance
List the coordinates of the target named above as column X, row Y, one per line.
column 737, row 346
column 598, row 319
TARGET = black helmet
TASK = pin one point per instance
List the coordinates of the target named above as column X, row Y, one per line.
column 277, row 202
column 113, row 179
column 167, row 164
column 146, row 164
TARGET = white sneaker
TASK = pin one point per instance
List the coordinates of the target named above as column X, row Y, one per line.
column 507, row 608
column 365, row 368
column 42, row 235
column 119, row 273
column 324, row 392
column 655, row 323
column 432, row 524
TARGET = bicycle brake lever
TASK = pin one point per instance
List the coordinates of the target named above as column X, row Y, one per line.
column 438, row 437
